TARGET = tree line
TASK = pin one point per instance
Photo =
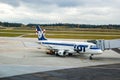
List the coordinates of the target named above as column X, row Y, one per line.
column 7, row 24
column 109, row 26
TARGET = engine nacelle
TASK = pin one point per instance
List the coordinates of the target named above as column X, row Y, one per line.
column 61, row 53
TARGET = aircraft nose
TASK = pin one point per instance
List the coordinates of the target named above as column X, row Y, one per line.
column 99, row 51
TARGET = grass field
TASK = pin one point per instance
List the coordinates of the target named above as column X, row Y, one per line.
column 10, row 34
column 77, row 36
column 66, row 34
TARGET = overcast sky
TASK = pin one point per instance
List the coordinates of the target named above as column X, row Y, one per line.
column 60, row 11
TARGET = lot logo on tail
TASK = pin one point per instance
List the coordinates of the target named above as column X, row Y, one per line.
column 40, row 33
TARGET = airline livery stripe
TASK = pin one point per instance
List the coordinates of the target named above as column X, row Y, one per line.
column 95, row 48
column 61, row 44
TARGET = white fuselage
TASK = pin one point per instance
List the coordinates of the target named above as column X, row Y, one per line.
column 63, row 48
column 72, row 47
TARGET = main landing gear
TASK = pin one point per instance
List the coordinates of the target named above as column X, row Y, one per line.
column 91, row 57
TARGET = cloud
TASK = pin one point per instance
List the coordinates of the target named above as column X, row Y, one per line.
column 11, row 2
column 65, row 11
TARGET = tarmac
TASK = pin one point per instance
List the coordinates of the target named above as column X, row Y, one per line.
column 103, row 72
column 23, row 58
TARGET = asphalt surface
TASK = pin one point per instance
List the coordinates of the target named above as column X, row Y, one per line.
column 23, row 59
column 103, row 72
column 116, row 50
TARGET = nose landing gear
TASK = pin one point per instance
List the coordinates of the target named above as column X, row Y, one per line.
column 91, row 57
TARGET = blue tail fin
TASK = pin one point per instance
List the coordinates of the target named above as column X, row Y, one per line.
column 40, row 33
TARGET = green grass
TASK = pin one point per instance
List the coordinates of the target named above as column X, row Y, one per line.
column 83, row 32
column 76, row 37
column 9, row 35
column 86, row 37
column 63, row 34
column 18, row 31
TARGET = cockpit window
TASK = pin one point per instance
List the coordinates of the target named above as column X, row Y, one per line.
column 93, row 47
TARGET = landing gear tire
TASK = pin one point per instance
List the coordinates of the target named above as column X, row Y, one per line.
column 64, row 54
column 70, row 54
column 91, row 57
column 56, row 54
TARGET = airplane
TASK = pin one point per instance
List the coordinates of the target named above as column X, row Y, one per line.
column 64, row 48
